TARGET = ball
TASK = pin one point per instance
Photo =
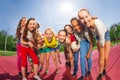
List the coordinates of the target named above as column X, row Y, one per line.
column 74, row 45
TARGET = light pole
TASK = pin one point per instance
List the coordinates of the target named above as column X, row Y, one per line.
column 116, row 33
column 6, row 40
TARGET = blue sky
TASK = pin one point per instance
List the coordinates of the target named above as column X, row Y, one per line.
column 55, row 13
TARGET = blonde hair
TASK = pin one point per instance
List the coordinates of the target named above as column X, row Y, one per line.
column 83, row 10
column 92, row 17
column 50, row 30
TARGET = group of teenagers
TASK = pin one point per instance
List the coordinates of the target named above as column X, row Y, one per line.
column 76, row 39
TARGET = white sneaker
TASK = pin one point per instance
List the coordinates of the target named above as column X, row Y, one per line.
column 24, row 78
column 37, row 77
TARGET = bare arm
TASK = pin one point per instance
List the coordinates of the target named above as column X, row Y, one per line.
column 91, row 46
column 26, row 43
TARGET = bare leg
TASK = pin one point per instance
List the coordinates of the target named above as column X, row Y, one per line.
column 47, row 61
column 71, row 59
column 42, row 60
column 101, row 57
column 54, row 59
column 23, row 72
column 35, row 69
column 58, row 55
column 107, row 51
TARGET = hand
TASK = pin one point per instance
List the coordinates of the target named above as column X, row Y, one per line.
column 88, row 55
column 30, row 44
column 74, row 50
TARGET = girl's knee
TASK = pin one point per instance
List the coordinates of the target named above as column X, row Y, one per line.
column 36, row 61
column 101, row 63
column 54, row 59
column 71, row 56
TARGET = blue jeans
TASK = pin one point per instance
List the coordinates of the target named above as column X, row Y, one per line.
column 76, row 55
column 107, row 36
column 84, row 47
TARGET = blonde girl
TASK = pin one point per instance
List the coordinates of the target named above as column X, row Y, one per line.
column 42, row 50
column 102, row 37
column 52, row 43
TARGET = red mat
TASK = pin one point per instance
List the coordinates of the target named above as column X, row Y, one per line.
column 8, row 68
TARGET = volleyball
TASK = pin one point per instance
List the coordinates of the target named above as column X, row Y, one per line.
column 75, row 46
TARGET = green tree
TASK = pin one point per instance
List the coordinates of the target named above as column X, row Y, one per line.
column 10, row 41
column 115, row 32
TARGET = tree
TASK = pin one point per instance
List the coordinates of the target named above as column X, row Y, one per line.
column 10, row 39
column 115, row 32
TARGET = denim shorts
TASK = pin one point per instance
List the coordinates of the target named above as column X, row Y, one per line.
column 107, row 36
column 53, row 49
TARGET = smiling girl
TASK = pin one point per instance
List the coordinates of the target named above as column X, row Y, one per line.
column 27, row 47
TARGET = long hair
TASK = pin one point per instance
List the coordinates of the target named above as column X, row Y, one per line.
column 63, row 31
column 26, row 31
column 18, row 34
column 69, row 26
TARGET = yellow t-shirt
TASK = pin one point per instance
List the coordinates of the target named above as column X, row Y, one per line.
column 52, row 44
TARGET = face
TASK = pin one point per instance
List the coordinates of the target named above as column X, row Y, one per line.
column 76, row 25
column 85, row 18
column 68, row 29
column 23, row 22
column 62, row 36
column 40, row 39
column 49, row 35
column 31, row 25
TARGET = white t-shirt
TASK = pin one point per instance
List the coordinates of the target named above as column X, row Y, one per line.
column 100, row 31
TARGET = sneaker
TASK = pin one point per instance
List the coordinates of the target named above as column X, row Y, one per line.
column 57, row 71
column 24, row 78
column 27, row 73
column 81, row 78
column 46, row 71
column 99, row 77
column 37, row 77
column 104, row 72
column 74, row 74
column 88, row 73
column 67, row 64
column 20, row 74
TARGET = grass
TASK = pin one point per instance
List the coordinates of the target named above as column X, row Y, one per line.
column 8, row 53
column 12, row 53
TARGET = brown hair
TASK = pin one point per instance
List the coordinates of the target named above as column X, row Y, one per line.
column 37, row 25
column 61, row 31
column 69, row 26
column 26, row 31
column 75, row 18
column 18, row 34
